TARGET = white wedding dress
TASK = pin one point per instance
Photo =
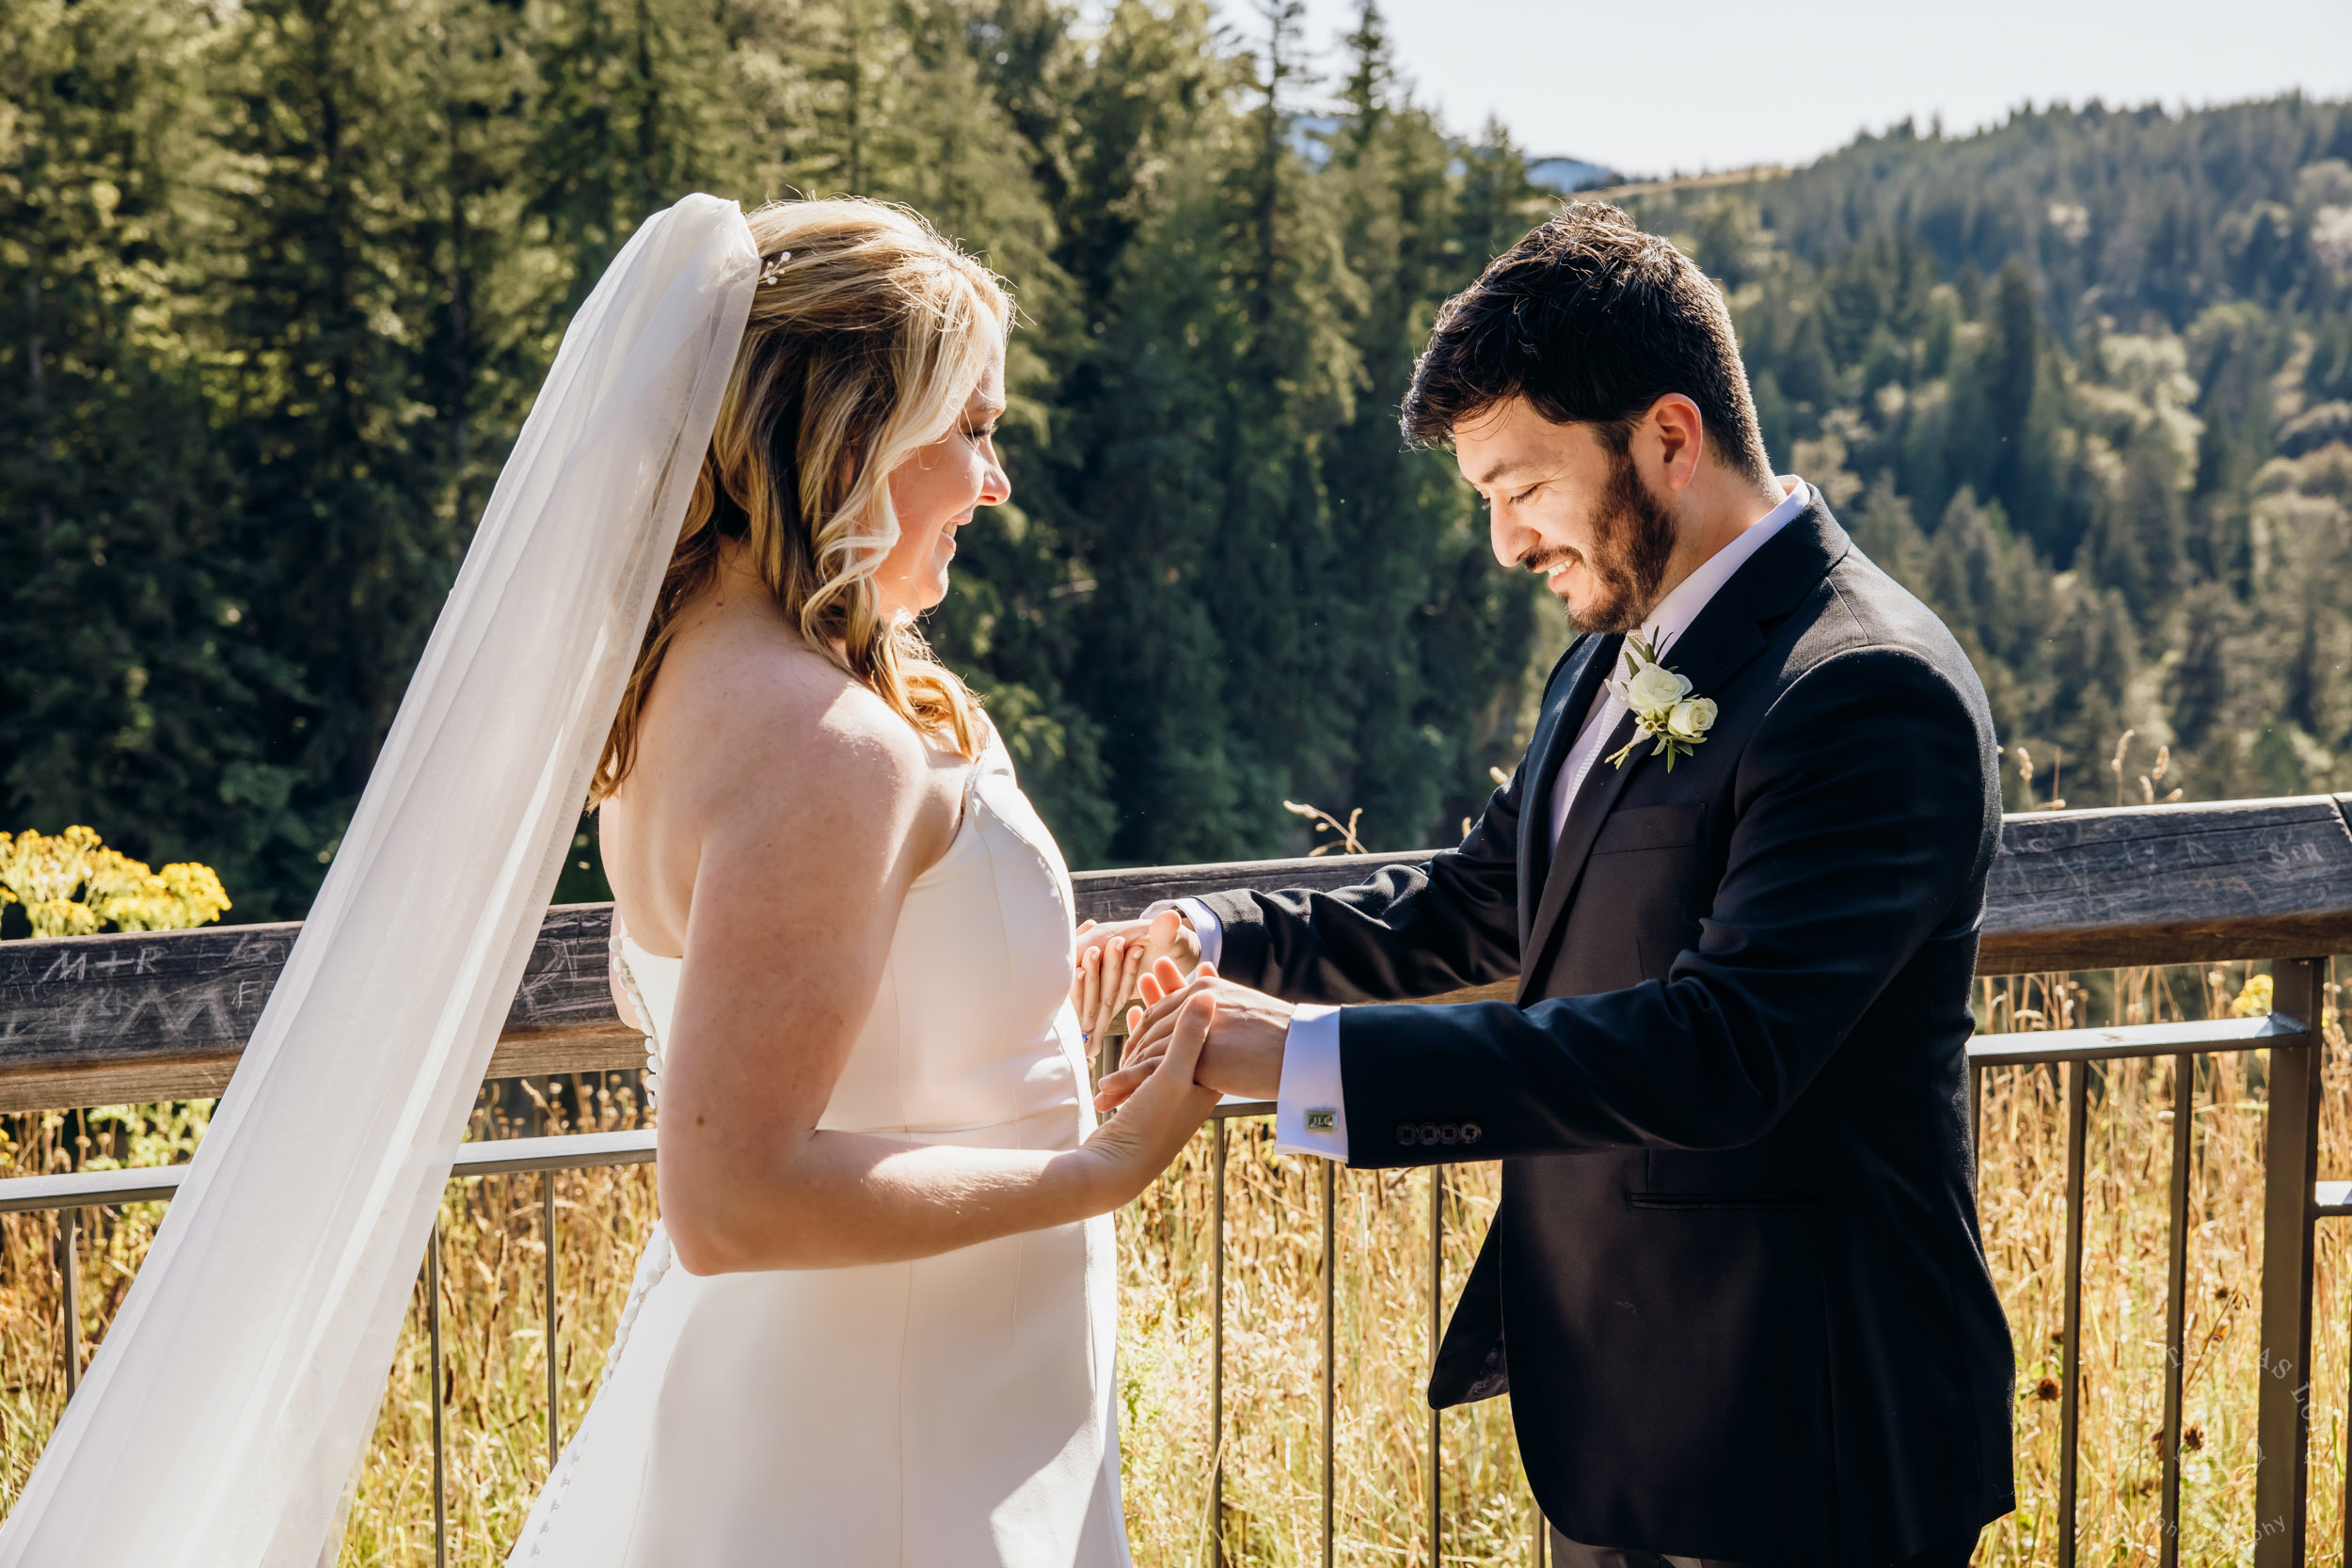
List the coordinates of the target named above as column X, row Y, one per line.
column 954, row 1412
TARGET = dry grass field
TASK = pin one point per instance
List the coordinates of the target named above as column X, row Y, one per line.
column 494, row 1382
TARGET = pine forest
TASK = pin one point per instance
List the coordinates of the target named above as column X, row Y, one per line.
column 281, row 277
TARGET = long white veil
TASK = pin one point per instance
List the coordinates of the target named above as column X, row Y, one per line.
column 222, row 1418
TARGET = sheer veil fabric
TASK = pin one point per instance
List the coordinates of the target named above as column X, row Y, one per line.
column 224, row 1414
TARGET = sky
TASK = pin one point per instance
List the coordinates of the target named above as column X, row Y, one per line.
column 1723, row 83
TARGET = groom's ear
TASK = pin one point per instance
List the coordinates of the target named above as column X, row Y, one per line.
column 1678, row 431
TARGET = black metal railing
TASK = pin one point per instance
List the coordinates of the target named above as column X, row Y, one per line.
column 2286, row 1266
column 2293, row 1203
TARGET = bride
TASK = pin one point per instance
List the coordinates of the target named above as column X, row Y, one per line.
column 875, row 1323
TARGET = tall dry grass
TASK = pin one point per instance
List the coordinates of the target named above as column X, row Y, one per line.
column 494, row 1379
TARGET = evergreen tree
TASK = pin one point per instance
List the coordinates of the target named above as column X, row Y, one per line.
column 2140, row 542
column 1412, row 540
column 124, row 676
column 2235, row 349
column 344, row 538
column 485, row 342
column 631, row 114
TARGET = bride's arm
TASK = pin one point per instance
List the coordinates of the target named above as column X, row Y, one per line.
column 806, row 853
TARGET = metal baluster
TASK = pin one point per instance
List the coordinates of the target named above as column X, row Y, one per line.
column 2176, row 1302
column 1976, row 1123
column 433, row 1336
column 1330, row 1341
column 2290, row 1165
column 2077, row 1082
column 1436, row 1309
column 1217, row 1365
column 69, row 1267
column 546, row 1225
column 2344, row 1510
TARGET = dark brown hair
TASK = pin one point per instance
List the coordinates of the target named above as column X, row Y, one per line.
column 1592, row 321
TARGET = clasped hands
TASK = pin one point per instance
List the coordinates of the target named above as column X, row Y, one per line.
column 1149, row 959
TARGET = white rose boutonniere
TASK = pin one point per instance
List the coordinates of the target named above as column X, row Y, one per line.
column 1660, row 702
column 1651, row 685
column 1690, row 719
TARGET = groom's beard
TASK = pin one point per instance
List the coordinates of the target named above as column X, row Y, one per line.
column 1633, row 541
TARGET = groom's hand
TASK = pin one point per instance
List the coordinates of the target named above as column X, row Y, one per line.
column 1243, row 1054
column 1113, row 957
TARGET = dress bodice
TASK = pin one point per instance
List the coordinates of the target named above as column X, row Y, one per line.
column 970, row 1039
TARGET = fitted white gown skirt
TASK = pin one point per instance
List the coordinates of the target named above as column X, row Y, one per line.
column 954, row 1410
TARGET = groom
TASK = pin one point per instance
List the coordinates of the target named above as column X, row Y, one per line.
column 1734, row 1289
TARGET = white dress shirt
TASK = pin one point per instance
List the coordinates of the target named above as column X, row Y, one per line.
column 1310, row 1084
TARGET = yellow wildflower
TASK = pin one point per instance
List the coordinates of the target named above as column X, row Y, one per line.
column 70, row 884
column 2254, row 1001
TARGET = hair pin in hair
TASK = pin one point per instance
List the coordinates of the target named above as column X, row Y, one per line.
column 774, row 269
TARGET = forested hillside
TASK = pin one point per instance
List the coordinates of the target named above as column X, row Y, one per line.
column 281, row 279
column 278, row 282
column 2084, row 381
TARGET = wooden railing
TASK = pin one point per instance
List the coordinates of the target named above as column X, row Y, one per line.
column 89, row 1021
column 103, row 1020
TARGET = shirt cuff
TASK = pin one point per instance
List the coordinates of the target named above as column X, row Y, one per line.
column 1310, row 1112
column 1204, row 922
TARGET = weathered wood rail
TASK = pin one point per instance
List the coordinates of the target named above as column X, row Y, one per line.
column 93, row 1019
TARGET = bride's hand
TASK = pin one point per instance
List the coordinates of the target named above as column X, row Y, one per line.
column 1157, row 1120
column 1112, row 958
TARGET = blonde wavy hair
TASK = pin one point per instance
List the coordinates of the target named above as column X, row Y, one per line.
column 868, row 332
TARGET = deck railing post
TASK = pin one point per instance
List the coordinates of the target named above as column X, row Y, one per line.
column 433, row 1341
column 1217, row 1361
column 555, row 1397
column 69, row 1281
column 2176, row 1303
column 1976, row 1124
column 2077, row 1090
column 1437, row 1328
column 2289, row 1166
column 1330, row 1342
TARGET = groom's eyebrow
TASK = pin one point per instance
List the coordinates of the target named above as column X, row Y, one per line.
column 1502, row 470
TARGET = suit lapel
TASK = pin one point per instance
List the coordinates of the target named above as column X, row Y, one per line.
column 1591, row 807
column 1553, row 737
column 1726, row 636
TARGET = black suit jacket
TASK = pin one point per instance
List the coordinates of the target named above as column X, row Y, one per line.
column 1735, row 1287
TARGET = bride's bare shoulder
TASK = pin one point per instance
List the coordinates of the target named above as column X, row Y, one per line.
column 756, row 715
column 766, row 777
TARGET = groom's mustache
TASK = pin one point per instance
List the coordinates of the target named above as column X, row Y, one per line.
column 1543, row 561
